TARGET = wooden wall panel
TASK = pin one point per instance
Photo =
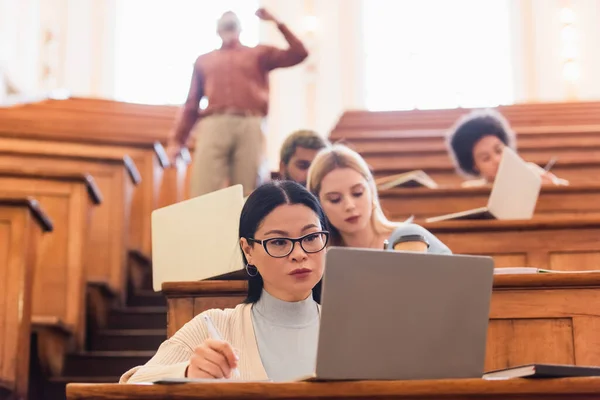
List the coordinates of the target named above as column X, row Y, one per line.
column 509, row 260
column 575, row 261
column 533, row 318
column 539, row 240
column 518, row 341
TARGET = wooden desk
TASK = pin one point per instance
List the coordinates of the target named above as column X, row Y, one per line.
column 569, row 243
column 551, row 318
column 398, row 204
column 60, row 273
column 519, row 115
column 578, row 166
column 471, row 389
column 21, row 223
column 149, row 160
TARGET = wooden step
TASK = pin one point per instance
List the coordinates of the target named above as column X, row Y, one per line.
column 127, row 339
column 138, row 318
column 55, row 388
column 146, row 298
column 104, row 363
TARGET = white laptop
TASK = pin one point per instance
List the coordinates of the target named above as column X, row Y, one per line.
column 399, row 316
column 514, row 193
column 197, row 238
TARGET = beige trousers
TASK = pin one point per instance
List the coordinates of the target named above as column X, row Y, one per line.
column 230, row 150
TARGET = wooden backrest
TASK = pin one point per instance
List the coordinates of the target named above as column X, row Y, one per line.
column 398, row 141
column 106, row 255
column 574, row 113
column 60, row 273
column 399, row 204
column 21, row 224
column 92, row 122
column 149, row 160
column 547, row 241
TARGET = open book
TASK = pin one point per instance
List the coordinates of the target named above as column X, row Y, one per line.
column 543, row 371
column 417, row 178
column 176, row 381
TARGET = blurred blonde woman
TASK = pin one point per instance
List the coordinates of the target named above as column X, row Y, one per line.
column 343, row 183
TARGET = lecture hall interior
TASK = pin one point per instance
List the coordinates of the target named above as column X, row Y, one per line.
column 106, row 113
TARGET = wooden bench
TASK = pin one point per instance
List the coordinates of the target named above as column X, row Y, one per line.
column 399, row 141
column 146, row 167
column 549, row 242
column 550, row 318
column 572, row 113
column 59, row 284
column 101, row 126
column 576, row 167
column 462, row 389
column 398, row 204
column 109, row 238
column 22, row 222
column 433, row 141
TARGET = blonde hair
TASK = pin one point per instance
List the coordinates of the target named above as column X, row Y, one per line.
column 339, row 156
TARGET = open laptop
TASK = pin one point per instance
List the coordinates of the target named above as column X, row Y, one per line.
column 514, row 193
column 400, row 316
column 198, row 238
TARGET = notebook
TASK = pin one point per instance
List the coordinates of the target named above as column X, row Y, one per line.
column 543, row 371
column 400, row 316
column 198, row 238
column 514, row 193
column 532, row 270
column 409, row 179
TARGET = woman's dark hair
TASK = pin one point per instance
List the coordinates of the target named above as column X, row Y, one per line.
column 261, row 203
column 470, row 129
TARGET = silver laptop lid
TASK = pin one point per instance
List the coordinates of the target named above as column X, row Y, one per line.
column 397, row 316
column 516, row 188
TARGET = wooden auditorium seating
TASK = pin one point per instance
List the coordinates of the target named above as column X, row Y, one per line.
column 545, row 242
column 399, row 141
column 544, row 318
column 59, row 284
column 22, row 223
column 70, row 129
column 462, row 389
column 126, row 321
column 573, row 200
column 530, row 114
column 115, row 177
column 575, row 165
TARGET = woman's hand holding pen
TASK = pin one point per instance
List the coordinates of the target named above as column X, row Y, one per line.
column 212, row 359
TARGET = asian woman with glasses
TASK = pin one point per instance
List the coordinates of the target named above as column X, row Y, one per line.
column 283, row 235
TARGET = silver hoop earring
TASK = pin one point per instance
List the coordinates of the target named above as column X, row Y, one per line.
column 252, row 268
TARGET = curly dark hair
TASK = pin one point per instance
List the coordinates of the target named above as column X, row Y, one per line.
column 469, row 129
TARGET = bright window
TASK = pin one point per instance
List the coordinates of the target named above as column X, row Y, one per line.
column 437, row 54
column 159, row 40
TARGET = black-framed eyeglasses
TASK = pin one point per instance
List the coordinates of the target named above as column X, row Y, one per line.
column 279, row 247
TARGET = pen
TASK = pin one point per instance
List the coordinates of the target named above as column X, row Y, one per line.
column 214, row 334
column 550, row 164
